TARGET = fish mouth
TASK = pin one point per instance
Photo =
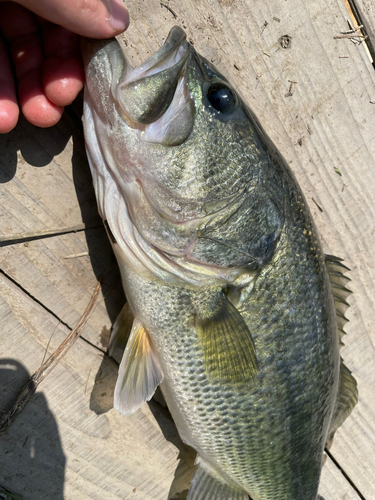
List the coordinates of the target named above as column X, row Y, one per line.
column 155, row 98
column 171, row 55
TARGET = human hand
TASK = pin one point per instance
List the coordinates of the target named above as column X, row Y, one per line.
column 43, row 41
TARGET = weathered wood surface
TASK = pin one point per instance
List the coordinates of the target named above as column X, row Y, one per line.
column 69, row 443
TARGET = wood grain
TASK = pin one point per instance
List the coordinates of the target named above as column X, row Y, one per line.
column 52, row 190
column 104, row 456
column 325, row 130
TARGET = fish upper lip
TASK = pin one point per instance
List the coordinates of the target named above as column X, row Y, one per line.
column 175, row 48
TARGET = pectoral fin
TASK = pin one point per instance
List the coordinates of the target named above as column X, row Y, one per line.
column 227, row 343
column 139, row 372
column 120, row 333
column 206, row 485
column 347, row 396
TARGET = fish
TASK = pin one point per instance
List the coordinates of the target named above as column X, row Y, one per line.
column 238, row 313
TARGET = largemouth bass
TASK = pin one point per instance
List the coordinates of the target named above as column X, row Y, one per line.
column 238, row 313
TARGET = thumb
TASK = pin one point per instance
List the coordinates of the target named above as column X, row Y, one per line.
column 90, row 18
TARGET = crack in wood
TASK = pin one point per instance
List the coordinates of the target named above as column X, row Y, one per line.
column 13, row 239
column 28, row 390
column 43, row 306
column 347, row 477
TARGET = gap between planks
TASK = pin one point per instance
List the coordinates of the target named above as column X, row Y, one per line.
column 47, row 233
column 12, row 281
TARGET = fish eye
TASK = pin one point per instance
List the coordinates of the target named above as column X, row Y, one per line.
column 221, row 98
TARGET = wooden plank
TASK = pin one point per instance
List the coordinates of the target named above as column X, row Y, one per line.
column 325, row 126
column 354, row 446
column 47, row 270
column 60, row 448
column 50, row 188
column 39, row 187
column 334, row 486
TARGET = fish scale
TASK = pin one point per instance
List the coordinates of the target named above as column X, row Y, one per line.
column 223, row 270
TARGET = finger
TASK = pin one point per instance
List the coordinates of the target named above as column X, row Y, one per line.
column 21, row 31
column 63, row 75
column 8, row 99
column 35, row 105
column 90, row 18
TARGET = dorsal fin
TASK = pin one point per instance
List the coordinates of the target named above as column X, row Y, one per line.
column 336, row 270
column 347, row 395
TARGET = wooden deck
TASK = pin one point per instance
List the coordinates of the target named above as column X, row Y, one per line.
column 314, row 94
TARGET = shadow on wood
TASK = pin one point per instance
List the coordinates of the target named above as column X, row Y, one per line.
column 101, row 401
column 185, row 468
column 102, row 258
column 37, row 146
column 101, row 398
column 32, row 445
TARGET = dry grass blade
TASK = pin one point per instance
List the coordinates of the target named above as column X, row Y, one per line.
column 30, row 387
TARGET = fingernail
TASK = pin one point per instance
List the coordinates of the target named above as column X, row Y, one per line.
column 118, row 15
